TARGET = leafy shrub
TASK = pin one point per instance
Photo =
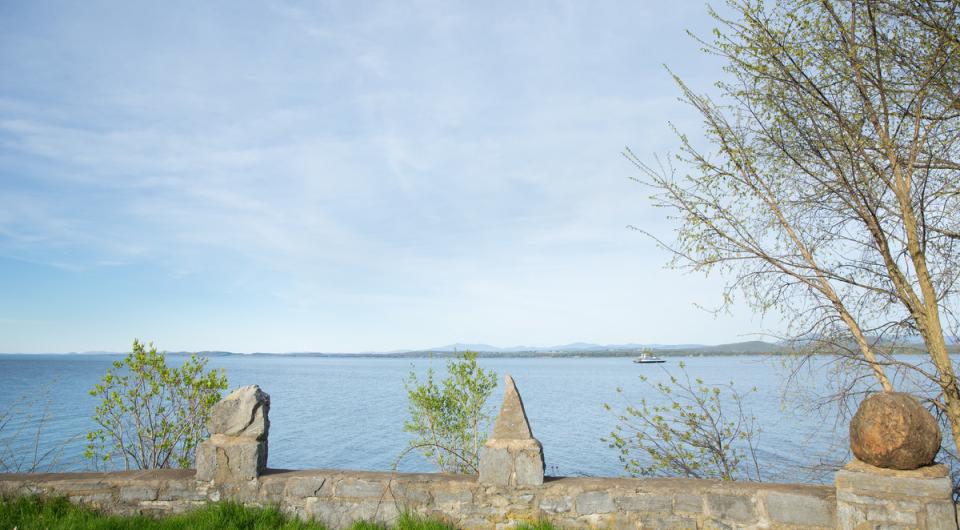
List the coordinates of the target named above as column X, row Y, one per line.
column 449, row 419
column 151, row 415
column 691, row 435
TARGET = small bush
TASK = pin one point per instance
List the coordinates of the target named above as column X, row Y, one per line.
column 691, row 434
column 449, row 419
column 152, row 416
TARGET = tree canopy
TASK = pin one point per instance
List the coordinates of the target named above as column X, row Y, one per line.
column 830, row 191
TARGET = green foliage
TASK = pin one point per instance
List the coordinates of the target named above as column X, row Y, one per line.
column 405, row 522
column 827, row 187
column 540, row 525
column 688, row 433
column 411, row 522
column 448, row 419
column 151, row 415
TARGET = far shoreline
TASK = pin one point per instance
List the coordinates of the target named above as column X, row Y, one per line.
column 663, row 353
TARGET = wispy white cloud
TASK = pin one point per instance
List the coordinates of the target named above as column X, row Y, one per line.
column 439, row 171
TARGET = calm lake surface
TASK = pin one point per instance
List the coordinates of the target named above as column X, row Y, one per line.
column 349, row 412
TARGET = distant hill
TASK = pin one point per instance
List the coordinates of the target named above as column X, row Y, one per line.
column 563, row 348
column 752, row 346
column 582, row 349
column 575, row 349
column 474, row 347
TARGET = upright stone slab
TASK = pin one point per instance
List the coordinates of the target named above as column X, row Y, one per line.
column 237, row 448
column 512, row 456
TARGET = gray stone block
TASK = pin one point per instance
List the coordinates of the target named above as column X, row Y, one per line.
column 132, row 494
column 849, row 497
column 180, row 490
column 713, row 524
column 415, row 493
column 646, row 502
column 687, row 503
column 732, row 508
column 453, row 496
column 97, row 498
column 891, row 515
column 800, row 510
column 941, row 516
column 850, row 516
column 225, row 459
column 311, row 486
column 496, row 465
column 327, row 511
column 556, row 504
column 360, row 488
column 619, row 523
column 528, row 467
column 901, row 483
column 271, row 492
column 206, row 461
column 594, row 502
column 668, row 522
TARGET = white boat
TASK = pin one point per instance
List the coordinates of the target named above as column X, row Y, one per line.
column 646, row 358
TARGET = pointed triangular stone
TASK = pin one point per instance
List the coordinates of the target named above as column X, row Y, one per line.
column 512, row 421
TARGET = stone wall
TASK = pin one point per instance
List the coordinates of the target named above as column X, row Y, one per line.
column 340, row 497
column 510, row 489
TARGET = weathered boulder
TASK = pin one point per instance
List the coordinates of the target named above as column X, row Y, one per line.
column 512, row 456
column 237, row 448
column 243, row 413
column 893, row 430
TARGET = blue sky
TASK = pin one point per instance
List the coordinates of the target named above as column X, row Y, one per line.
column 342, row 176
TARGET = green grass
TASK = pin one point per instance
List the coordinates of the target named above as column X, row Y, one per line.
column 32, row 513
column 542, row 525
column 35, row 513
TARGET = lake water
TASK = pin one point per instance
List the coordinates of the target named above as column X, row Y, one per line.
column 349, row 412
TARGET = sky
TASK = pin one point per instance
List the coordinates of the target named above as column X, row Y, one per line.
column 343, row 176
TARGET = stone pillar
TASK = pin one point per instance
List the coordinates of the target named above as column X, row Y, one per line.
column 237, row 448
column 874, row 497
column 512, row 456
column 901, row 486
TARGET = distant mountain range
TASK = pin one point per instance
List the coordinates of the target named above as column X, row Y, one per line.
column 581, row 347
column 572, row 347
column 575, row 349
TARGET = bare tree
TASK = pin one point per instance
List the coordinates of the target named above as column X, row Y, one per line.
column 831, row 192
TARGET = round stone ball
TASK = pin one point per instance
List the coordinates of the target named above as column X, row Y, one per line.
column 893, row 430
